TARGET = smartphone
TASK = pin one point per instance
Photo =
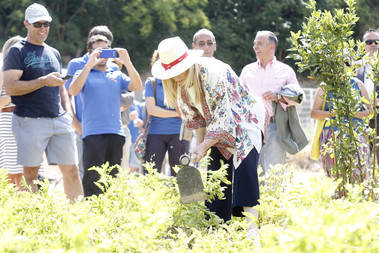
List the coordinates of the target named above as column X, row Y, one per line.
column 108, row 53
column 66, row 77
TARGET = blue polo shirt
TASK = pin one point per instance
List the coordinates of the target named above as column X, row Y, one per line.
column 140, row 108
column 161, row 125
column 101, row 97
column 73, row 66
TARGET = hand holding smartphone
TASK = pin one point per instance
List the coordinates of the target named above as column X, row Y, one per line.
column 66, row 77
column 108, row 53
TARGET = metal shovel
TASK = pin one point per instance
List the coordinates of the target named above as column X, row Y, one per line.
column 191, row 186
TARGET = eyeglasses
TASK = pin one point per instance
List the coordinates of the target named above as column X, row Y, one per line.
column 209, row 43
column 369, row 42
column 39, row 24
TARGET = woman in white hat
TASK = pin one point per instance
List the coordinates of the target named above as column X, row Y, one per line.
column 211, row 98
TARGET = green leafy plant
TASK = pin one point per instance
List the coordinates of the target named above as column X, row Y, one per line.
column 143, row 213
column 324, row 48
column 374, row 76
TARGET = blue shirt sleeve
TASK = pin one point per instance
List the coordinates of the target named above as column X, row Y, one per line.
column 125, row 80
column 72, row 69
column 142, row 112
column 149, row 89
column 134, row 107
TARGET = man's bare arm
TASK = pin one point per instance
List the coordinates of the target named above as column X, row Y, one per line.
column 15, row 87
column 77, row 84
column 135, row 79
column 4, row 100
column 67, row 105
column 65, row 101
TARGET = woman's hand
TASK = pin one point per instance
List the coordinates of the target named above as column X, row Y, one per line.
column 201, row 150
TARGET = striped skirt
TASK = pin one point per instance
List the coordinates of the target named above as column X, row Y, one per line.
column 8, row 146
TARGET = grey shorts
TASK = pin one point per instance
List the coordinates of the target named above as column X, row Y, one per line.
column 37, row 135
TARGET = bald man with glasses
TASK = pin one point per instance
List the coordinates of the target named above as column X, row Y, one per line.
column 205, row 40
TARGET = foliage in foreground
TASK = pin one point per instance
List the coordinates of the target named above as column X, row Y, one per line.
column 144, row 214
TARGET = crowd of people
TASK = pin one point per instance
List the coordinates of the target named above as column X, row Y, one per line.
column 90, row 116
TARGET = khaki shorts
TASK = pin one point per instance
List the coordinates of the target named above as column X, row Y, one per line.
column 37, row 135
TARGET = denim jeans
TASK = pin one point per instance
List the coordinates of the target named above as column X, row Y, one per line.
column 272, row 152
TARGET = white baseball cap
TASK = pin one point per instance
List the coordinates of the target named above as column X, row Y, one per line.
column 36, row 12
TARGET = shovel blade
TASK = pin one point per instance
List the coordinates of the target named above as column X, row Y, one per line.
column 191, row 186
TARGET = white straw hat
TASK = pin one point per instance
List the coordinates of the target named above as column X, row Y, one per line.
column 36, row 12
column 174, row 58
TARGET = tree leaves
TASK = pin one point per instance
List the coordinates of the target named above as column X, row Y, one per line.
column 140, row 25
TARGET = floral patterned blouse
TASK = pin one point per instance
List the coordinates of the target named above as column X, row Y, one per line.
column 230, row 114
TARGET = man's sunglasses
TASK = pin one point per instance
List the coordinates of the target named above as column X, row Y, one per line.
column 369, row 42
column 40, row 24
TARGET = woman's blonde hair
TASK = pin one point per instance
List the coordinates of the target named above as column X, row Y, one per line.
column 171, row 87
column 154, row 58
column 9, row 43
